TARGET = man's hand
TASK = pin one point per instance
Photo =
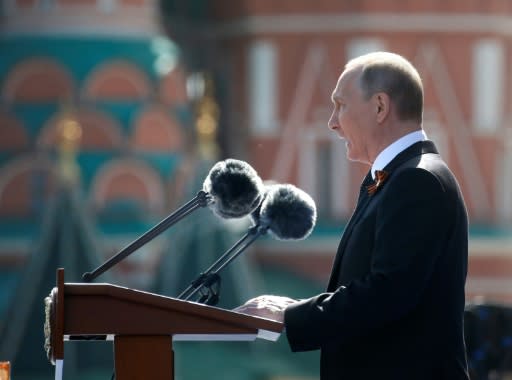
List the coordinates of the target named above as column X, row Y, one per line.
column 270, row 307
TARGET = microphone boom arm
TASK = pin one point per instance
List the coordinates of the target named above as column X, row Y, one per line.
column 202, row 199
column 210, row 276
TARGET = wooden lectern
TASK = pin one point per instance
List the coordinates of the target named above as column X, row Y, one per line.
column 142, row 325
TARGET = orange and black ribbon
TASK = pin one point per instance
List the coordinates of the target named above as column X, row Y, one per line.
column 380, row 178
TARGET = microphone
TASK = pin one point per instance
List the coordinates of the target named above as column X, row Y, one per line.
column 235, row 187
column 286, row 211
column 232, row 189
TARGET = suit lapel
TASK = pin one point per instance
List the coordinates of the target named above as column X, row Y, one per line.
column 362, row 202
column 414, row 150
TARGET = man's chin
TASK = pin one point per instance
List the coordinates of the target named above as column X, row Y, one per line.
column 348, row 148
column 352, row 157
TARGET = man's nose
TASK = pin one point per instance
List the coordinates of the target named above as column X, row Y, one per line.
column 333, row 122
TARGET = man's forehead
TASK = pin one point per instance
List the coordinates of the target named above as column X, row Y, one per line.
column 345, row 81
column 348, row 75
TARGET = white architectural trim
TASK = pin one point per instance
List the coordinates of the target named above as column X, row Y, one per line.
column 474, row 23
column 263, row 89
column 488, row 85
column 140, row 21
column 484, row 285
column 83, row 20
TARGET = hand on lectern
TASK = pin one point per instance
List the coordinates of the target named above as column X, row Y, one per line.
column 266, row 306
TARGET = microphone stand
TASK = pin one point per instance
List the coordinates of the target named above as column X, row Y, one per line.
column 211, row 278
column 202, row 199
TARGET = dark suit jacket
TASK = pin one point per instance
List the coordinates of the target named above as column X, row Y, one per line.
column 395, row 300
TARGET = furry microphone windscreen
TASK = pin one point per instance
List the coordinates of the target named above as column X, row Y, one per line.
column 255, row 215
column 236, row 188
column 289, row 212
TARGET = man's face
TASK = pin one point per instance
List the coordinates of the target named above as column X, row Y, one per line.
column 352, row 118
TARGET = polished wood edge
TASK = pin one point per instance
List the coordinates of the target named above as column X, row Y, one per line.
column 58, row 335
column 215, row 313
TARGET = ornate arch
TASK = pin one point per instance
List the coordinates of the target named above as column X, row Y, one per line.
column 99, row 129
column 21, row 180
column 38, row 79
column 119, row 80
column 155, row 129
column 13, row 135
column 128, row 178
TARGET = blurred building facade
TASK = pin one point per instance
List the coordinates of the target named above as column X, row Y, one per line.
column 105, row 93
column 105, row 128
column 101, row 67
column 288, row 57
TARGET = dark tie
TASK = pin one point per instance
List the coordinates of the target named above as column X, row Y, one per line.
column 380, row 177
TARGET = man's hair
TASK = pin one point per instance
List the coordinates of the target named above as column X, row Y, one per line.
column 394, row 75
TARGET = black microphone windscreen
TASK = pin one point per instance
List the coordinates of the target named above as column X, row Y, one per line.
column 255, row 215
column 289, row 212
column 235, row 187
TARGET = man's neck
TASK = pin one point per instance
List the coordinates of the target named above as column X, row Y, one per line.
column 395, row 148
column 392, row 134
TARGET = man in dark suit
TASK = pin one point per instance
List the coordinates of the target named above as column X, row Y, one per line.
column 394, row 304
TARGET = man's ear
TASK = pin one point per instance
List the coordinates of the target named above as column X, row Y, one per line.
column 382, row 106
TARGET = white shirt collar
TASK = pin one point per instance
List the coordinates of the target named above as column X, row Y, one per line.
column 390, row 152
